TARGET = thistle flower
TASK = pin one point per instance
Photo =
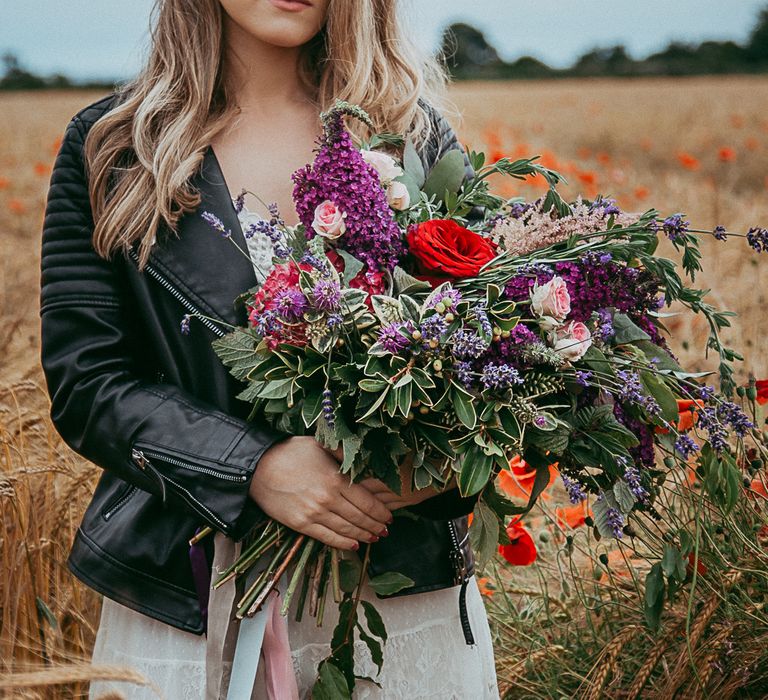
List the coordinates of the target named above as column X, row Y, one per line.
column 392, row 337
column 290, row 304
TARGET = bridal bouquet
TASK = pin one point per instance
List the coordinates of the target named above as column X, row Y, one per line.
column 418, row 315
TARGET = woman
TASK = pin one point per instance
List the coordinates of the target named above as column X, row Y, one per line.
column 231, row 94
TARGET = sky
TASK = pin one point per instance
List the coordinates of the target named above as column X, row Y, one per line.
column 105, row 39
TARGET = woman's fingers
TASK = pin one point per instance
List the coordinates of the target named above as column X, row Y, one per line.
column 353, row 515
column 342, row 526
column 365, row 501
column 376, row 486
column 329, row 537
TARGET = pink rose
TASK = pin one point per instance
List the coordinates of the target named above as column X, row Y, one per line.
column 329, row 220
column 397, row 196
column 551, row 299
column 572, row 340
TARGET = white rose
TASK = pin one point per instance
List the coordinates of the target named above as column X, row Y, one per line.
column 386, row 166
column 329, row 220
column 397, row 196
column 551, row 299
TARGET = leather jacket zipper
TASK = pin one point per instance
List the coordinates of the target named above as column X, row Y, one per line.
column 161, row 279
column 461, row 577
column 119, row 503
column 143, row 453
column 143, row 463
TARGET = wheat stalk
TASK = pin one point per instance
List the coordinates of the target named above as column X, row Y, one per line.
column 607, row 662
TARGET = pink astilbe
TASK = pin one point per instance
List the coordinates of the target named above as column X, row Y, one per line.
column 530, row 228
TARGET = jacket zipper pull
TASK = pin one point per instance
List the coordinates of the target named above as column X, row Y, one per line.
column 141, row 461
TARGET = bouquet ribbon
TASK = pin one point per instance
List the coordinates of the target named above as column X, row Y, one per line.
column 234, row 648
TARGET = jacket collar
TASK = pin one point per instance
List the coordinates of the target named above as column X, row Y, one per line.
column 205, row 266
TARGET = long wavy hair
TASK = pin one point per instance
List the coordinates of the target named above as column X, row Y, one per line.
column 141, row 155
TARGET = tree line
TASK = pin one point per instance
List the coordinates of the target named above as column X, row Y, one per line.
column 469, row 56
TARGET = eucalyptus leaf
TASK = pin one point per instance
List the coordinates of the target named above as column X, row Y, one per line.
column 484, row 533
column 446, row 176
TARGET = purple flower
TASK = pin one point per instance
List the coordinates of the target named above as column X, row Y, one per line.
column 216, row 224
column 605, row 325
column 326, row 295
column 340, row 174
column 448, row 297
column 686, row 445
column 393, row 337
column 499, row 376
column 518, row 209
column 433, row 328
column 758, row 239
column 608, row 205
column 463, row 372
column 575, row 491
column 268, row 229
column 468, row 345
column 328, row 408
column 185, row 324
column 675, row 226
column 481, row 316
column 719, row 233
column 583, row 377
column 634, row 481
column 239, row 201
column 615, row 522
column 290, row 304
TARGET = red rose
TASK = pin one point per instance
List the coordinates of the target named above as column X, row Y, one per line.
column 446, row 251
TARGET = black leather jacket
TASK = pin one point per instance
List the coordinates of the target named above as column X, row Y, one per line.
column 156, row 409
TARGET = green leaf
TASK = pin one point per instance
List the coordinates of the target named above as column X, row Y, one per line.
column 484, row 533
column 446, row 176
column 475, row 470
column 351, row 265
column 412, row 164
column 276, row 389
column 376, row 404
column 407, row 284
column 658, row 388
column 349, row 574
column 374, row 647
column 654, row 596
column 663, row 359
column 237, row 350
column 372, row 385
column 673, row 564
column 373, row 620
column 351, row 448
column 626, row 331
column 312, row 408
column 600, row 513
column 330, row 683
column 464, row 407
column 624, row 496
column 389, row 582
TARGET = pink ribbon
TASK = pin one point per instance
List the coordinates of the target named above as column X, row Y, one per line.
column 279, row 677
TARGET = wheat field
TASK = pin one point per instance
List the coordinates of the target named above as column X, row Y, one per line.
column 698, row 146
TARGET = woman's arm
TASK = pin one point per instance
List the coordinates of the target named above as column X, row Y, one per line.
column 102, row 407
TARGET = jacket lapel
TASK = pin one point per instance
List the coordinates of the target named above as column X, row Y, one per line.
column 206, row 266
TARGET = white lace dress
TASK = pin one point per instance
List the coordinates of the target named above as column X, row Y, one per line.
column 425, row 656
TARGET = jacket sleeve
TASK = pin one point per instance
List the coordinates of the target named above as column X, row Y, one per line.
column 203, row 459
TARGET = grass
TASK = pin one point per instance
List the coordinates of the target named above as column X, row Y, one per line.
column 572, row 624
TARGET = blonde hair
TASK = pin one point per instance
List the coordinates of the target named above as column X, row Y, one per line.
column 142, row 154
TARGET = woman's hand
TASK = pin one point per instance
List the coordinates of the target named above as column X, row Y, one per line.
column 297, row 482
column 407, row 495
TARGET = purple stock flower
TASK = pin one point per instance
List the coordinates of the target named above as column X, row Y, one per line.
column 340, row 174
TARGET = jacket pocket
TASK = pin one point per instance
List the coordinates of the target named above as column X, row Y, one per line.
column 118, row 501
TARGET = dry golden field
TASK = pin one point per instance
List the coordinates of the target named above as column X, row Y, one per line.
column 699, row 146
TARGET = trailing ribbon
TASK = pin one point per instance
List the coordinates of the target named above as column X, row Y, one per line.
column 234, row 647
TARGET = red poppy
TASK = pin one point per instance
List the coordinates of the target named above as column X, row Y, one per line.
column 572, row 516
column 762, row 391
column 521, row 551
column 688, row 161
column 701, row 569
column 518, row 481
